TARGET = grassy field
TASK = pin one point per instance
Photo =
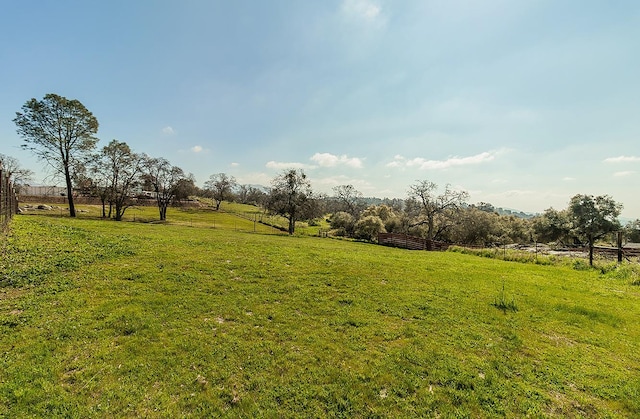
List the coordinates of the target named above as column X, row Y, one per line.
column 107, row 319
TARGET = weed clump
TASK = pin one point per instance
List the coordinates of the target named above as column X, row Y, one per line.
column 625, row 272
column 502, row 303
column 510, row 255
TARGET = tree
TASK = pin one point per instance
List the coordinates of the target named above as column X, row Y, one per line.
column 432, row 205
column 123, row 168
column 165, row 181
column 593, row 217
column 632, row 231
column 475, row 226
column 92, row 178
column 291, row 196
column 552, row 226
column 18, row 175
column 220, row 187
column 349, row 199
column 186, row 187
column 59, row 131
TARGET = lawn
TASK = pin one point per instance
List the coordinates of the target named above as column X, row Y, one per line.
column 107, row 319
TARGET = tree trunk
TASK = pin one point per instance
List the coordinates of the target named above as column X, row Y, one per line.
column 431, row 226
column 67, row 176
column 119, row 211
column 292, row 225
column 590, row 251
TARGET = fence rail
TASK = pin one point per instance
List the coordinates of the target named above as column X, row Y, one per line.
column 8, row 200
column 410, row 242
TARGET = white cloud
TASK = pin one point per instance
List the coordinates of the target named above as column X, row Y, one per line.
column 568, row 179
column 622, row 159
column 196, row 149
column 623, row 174
column 255, row 179
column 234, row 164
column 398, row 161
column 283, row 166
column 331, row 160
column 365, row 10
column 168, row 130
column 330, row 182
column 450, row 162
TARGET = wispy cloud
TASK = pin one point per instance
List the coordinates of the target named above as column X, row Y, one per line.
column 624, row 173
column 622, row 159
column 425, row 164
column 234, row 164
column 331, row 160
column 398, row 161
column 568, row 179
column 332, row 181
column 168, row 130
column 283, row 165
column 365, row 10
column 196, row 149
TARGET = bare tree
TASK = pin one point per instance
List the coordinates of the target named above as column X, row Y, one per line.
column 349, row 199
column 248, row 194
column 59, row 131
column 432, row 205
column 123, row 168
column 164, row 179
column 220, row 187
column 18, row 175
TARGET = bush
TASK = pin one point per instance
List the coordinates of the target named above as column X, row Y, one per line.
column 367, row 228
column 626, row 271
column 580, row 265
column 343, row 221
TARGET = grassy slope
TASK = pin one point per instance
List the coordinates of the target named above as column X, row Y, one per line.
column 120, row 319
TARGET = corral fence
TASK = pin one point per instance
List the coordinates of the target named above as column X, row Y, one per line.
column 8, row 200
column 630, row 252
column 405, row 241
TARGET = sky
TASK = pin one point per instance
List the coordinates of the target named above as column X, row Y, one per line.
column 521, row 103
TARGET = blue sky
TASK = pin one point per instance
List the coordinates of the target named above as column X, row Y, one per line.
column 522, row 103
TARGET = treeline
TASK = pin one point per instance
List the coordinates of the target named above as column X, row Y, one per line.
column 61, row 132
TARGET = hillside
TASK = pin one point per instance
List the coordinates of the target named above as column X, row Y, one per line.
column 99, row 318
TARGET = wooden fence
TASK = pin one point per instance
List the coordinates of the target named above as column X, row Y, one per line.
column 8, row 199
column 405, row 241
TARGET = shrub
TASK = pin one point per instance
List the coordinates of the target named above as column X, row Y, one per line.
column 580, row 265
column 626, row 271
column 367, row 228
column 343, row 221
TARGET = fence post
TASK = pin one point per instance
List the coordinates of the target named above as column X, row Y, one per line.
column 619, row 246
column 8, row 199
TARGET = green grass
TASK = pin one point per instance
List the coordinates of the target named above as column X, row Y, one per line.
column 231, row 216
column 107, row 319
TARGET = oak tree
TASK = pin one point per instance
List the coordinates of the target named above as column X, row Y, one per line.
column 291, row 196
column 165, row 181
column 593, row 218
column 432, row 206
column 220, row 187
